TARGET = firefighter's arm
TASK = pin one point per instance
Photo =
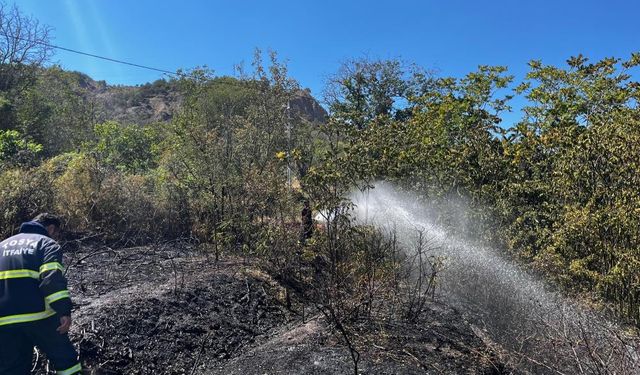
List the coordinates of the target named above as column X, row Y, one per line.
column 53, row 284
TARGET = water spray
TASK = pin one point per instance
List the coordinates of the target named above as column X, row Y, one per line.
column 517, row 310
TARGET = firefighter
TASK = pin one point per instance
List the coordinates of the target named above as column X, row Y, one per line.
column 307, row 222
column 35, row 308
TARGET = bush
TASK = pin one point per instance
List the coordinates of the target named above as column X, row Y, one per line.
column 23, row 194
column 125, row 208
column 15, row 150
column 76, row 189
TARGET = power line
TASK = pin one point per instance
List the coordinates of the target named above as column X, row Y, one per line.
column 110, row 59
column 92, row 55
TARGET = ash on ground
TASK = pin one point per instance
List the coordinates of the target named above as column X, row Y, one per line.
column 158, row 310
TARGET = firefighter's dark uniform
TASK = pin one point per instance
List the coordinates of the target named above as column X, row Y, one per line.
column 33, row 297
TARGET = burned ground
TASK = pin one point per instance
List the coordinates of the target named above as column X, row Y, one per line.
column 157, row 310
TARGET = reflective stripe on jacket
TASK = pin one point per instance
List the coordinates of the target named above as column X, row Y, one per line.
column 32, row 283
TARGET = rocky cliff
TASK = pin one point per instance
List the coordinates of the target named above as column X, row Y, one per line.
column 159, row 101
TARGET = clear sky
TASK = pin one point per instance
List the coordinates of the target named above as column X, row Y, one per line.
column 453, row 37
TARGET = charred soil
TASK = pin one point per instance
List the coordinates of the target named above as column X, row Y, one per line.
column 173, row 310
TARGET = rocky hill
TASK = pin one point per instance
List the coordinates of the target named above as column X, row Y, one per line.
column 159, row 101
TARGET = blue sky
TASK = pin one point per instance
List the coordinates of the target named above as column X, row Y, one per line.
column 452, row 37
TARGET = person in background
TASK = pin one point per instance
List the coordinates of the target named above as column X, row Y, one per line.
column 307, row 222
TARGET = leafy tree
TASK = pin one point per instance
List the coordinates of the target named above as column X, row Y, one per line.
column 558, row 189
column 363, row 90
column 128, row 148
column 56, row 111
column 224, row 151
column 15, row 150
column 455, row 123
column 24, row 49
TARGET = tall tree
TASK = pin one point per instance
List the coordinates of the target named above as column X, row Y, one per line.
column 24, row 44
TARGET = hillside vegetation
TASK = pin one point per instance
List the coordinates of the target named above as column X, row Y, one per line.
column 226, row 163
column 558, row 189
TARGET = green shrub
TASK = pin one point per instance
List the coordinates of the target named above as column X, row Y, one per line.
column 23, row 194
